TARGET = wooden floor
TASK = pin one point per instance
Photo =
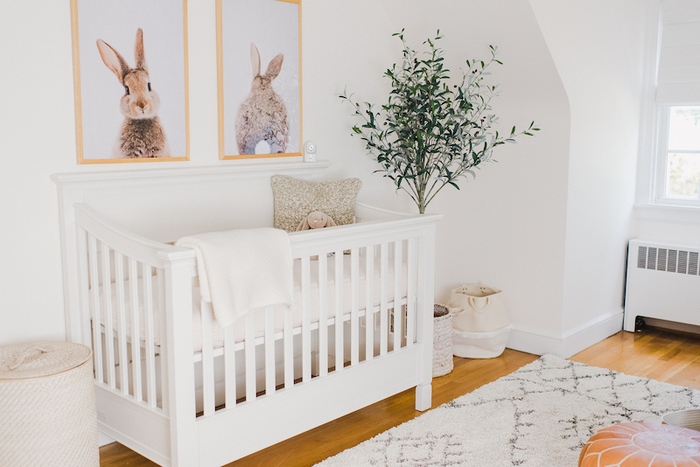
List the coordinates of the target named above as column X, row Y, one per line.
column 654, row 353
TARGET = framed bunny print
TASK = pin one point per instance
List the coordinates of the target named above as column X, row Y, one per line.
column 130, row 80
column 259, row 78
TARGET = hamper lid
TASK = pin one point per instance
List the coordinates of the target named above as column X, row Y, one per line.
column 36, row 359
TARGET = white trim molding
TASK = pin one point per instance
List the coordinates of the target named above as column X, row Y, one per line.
column 569, row 343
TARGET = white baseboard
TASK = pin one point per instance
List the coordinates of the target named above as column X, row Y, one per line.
column 569, row 343
column 103, row 439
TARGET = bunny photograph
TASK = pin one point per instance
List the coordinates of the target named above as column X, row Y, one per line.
column 130, row 62
column 259, row 78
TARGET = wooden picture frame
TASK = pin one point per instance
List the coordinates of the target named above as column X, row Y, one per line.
column 122, row 115
column 259, row 78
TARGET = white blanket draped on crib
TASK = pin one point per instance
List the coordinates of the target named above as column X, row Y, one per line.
column 242, row 270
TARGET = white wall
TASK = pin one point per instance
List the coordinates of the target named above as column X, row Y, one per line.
column 36, row 138
column 679, row 233
column 524, row 225
column 598, row 49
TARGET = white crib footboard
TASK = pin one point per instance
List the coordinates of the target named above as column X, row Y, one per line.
column 175, row 387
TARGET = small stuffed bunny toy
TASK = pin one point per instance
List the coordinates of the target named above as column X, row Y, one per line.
column 316, row 220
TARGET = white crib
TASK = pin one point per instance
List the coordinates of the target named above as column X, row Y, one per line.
column 178, row 389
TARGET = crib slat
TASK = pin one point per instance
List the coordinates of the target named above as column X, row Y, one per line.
column 249, row 346
column 208, row 382
column 95, row 308
column 108, row 319
column 121, row 323
column 288, row 336
column 411, row 292
column 323, row 315
column 135, row 330
column 84, row 281
column 230, row 365
column 369, row 302
column 384, row 307
column 162, row 325
column 305, row 319
column 147, row 278
column 398, row 315
column 339, row 343
column 354, row 306
column 270, row 378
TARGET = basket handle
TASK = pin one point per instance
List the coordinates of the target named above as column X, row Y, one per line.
column 474, row 304
column 22, row 356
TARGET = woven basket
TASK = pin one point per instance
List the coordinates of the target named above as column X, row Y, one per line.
column 47, row 406
column 442, row 339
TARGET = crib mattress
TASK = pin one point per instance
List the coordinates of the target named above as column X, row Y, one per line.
column 377, row 282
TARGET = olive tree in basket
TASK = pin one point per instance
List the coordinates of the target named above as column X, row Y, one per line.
column 432, row 131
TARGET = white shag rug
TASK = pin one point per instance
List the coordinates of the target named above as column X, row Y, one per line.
column 538, row 416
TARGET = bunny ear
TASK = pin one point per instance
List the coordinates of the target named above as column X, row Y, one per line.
column 113, row 60
column 139, row 51
column 304, row 225
column 275, row 66
column 331, row 222
column 255, row 59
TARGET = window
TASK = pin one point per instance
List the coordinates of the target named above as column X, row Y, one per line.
column 679, row 155
column 668, row 183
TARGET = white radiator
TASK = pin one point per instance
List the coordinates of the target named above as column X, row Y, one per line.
column 663, row 282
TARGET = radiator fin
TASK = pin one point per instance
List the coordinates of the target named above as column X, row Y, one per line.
column 682, row 262
column 651, row 263
column 661, row 259
column 672, row 260
column 669, row 260
column 642, row 258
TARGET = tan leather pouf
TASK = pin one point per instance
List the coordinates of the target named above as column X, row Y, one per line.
column 47, row 406
column 642, row 445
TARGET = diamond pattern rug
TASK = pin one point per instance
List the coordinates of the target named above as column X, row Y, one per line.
column 538, row 416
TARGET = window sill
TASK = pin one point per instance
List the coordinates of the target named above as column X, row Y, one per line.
column 668, row 213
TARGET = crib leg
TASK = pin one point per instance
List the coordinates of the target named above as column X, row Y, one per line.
column 424, row 396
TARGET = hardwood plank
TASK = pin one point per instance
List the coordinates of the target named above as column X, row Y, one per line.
column 659, row 354
column 116, row 455
column 655, row 353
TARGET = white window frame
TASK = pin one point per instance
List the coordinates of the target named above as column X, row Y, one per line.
column 651, row 201
column 662, row 149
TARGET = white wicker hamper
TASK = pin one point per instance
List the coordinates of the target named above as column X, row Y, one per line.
column 47, row 406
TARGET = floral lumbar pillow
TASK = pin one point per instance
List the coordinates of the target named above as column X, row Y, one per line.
column 294, row 199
